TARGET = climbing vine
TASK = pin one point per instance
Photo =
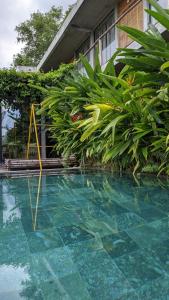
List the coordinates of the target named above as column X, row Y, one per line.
column 18, row 89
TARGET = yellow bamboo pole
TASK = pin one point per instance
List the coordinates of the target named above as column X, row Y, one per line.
column 37, row 201
column 36, row 134
column 29, row 136
column 30, row 198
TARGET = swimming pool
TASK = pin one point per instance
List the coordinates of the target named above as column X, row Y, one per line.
column 84, row 235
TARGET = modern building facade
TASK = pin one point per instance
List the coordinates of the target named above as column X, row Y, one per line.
column 26, row 69
column 91, row 25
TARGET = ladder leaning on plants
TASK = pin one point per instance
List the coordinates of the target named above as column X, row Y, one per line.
column 33, row 123
column 18, row 164
column 49, row 162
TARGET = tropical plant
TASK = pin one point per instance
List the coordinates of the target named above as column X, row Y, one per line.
column 125, row 115
column 135, row 130
column 65, row 105
column 123, row 120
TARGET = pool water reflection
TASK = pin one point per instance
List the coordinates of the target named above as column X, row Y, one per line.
column 84, row 235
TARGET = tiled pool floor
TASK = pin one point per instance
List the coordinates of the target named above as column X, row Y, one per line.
column 84, row 236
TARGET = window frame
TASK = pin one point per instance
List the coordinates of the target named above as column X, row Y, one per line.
column 108, row 40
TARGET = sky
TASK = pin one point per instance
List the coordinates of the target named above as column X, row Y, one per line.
column 12, row 13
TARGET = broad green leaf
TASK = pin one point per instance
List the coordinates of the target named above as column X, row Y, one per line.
column 110, row 67
column 167, row 139
column 138, row 136
column 116, row 80
column 160, row 18
column 159, row 8
column 164, row 66
column 103, row 107
column 97, row 68
column 89, row 132
column 136, row 167
column 143, row 38
column 145, row 152
column 114, row 123
column 87, row 66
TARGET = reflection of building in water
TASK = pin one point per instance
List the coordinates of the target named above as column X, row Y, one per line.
column 10, row 210
column 13, row 279
column 9, row 133
column 17, row 280
column 7, row 123
column 1, row 204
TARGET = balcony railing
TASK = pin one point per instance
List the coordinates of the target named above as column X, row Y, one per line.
column 113, row 38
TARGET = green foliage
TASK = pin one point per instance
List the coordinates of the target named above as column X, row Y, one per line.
column 125, row 116
column 68, row 99
column 131, row 118
column 15, row 90
column 19, row 89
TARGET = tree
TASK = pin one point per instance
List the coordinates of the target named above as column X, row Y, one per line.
column 37, row 33
column 70, row 7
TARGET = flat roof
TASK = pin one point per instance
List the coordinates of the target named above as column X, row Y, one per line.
column 82, row 19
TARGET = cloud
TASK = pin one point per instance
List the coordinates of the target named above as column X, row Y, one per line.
column 11, row 14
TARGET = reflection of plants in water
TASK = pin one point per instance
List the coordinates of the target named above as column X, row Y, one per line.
column 116, row 192
column 105, row 192
column 94, row 225
column 14, row 245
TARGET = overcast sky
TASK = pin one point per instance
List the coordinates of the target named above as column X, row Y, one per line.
column 13, row 12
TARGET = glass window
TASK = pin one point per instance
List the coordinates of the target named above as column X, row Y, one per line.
column 108, row 40
column 82, row 50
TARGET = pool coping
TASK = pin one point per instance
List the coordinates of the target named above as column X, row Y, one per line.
column 5, row 173
column 26, row 173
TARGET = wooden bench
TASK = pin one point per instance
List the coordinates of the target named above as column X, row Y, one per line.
column 49, row 163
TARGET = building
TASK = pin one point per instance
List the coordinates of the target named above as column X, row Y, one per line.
column 92, row 24
column 26, row 69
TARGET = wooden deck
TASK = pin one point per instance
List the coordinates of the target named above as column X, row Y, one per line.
column 49, row 163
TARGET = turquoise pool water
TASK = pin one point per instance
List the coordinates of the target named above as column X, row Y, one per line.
column 84, row 235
